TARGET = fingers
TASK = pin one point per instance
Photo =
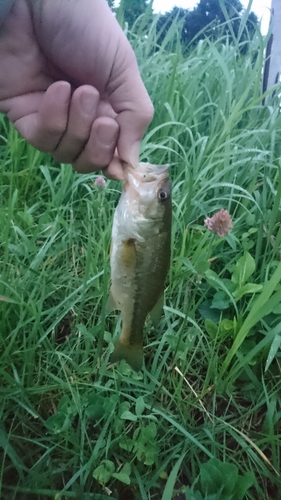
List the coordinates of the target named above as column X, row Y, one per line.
column 82, row 112
column 99, row 150
column 72, row 133
column 80, row 129
column 88, row 142
column 42, row 117
column 48, row 126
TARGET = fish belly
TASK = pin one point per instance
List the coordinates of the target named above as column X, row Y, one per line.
column 139, row 270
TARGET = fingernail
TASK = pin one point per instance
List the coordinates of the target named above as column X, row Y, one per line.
column 107, row 134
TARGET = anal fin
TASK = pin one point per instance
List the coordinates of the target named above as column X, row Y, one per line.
column 156, row 313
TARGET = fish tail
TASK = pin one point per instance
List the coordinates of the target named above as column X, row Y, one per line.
column 133, row 354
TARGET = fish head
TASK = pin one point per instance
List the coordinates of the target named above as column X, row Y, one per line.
column 148, row 190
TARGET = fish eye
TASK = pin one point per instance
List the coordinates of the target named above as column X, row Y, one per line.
column 162, row 195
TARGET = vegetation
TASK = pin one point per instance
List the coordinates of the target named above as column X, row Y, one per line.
column 129, row 11
column 212, row 18
column 202, row 420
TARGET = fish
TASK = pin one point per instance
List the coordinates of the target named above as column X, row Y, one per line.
column 140, row 255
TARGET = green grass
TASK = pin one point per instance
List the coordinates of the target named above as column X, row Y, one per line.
column 202, row 421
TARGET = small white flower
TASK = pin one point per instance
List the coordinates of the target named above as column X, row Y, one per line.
column 100, row 182
column 220, row 224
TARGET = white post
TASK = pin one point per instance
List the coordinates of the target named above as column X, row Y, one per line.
column 274, row 63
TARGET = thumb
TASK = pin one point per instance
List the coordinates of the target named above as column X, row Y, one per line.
column 134, row 109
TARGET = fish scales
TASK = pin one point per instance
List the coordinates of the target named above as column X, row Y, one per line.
column 140, row 255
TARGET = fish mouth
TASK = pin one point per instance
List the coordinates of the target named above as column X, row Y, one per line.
column 145, row 172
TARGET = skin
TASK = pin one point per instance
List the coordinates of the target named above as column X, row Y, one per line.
column 70, row 84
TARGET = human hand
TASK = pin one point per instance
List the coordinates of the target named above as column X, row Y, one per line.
column 70, row 83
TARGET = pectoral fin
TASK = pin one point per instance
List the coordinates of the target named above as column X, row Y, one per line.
column 111, row 304
column 157, row 310
column 128, row 253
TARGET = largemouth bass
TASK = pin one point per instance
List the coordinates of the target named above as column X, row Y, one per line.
column 140, row 255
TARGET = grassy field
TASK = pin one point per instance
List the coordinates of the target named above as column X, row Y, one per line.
column 202, row 420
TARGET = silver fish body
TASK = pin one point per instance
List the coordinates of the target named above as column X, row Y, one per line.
column 140, row 255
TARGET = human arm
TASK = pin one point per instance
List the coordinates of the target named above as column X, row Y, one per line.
column 70, row 83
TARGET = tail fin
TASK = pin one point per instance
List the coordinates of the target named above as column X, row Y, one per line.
column 133, row 354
